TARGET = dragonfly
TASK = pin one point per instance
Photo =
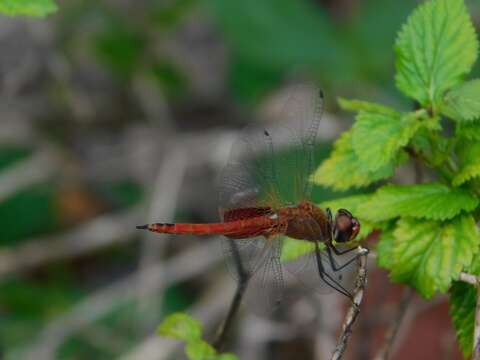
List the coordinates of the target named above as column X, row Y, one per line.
column 257, row 216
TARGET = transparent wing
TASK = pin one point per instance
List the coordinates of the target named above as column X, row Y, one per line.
column 252, row 254
column 265, row 289
column 303, row 111
column 271, row 165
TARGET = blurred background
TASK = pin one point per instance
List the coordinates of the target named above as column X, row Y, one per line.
column 119, row 113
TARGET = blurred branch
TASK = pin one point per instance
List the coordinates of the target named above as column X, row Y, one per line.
column 179, row 268
column 95, row 234
column 354, row 309
column 162, row 208
column 390, row 335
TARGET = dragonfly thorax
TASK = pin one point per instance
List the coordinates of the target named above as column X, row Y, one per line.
column 306, row 221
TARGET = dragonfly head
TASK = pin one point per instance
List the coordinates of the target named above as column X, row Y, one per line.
column 346, row 227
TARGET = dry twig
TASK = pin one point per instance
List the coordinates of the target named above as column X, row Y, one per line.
column 354, row 309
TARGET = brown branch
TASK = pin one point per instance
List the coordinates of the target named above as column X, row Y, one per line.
column 354, row 309
column 392, row 331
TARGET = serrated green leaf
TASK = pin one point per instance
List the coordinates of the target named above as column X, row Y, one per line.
column 390, row 134
column 462, row 103
column 180, row 326
column 200, row 350
column 463, row 299
column 384, row 250
column 434, row 49
column 428, row 255
column 27, row 7
column 468, row 130
column 342, row 171
column 433, row 201
column 469, row 163
column 293, row 248
column 373, row 108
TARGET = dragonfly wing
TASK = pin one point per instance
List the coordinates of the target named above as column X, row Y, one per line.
column 302, row 113
column 251, row 254
column 265, row 290
column 271, row 165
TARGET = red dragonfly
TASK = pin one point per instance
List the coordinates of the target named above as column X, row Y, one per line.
column 256, row 215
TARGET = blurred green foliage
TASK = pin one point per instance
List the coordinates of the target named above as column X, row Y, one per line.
column 27, row 7
column 28, row 213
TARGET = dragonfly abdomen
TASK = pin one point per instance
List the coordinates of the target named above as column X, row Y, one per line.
column 235, row 229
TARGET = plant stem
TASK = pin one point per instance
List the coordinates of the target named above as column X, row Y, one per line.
column 243, row 278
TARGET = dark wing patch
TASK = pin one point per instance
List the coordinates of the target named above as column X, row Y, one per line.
column 246, row 213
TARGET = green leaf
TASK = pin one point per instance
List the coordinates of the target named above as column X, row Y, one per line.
column 468, row 130
column 469, row 163
column 434, row 50
column 27, row 7
column 463, row 300
column 200, row 350
column 226, row 356
column 428, row 201
column 293, row 248
column 428, row 255
column 180, row 326
column 390, row 134
column 373, row 108
column 385, row 255
column 462, row 103
column 341, row 170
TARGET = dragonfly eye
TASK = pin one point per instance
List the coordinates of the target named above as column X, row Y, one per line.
column 346, row 226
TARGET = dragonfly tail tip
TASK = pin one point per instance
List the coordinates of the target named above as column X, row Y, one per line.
column 143, row 227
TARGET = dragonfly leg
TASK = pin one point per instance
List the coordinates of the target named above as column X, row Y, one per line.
column 332, row 261
column 338, row 252
column 324, row 276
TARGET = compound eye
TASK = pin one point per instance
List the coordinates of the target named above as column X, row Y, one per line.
column 346, row 226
